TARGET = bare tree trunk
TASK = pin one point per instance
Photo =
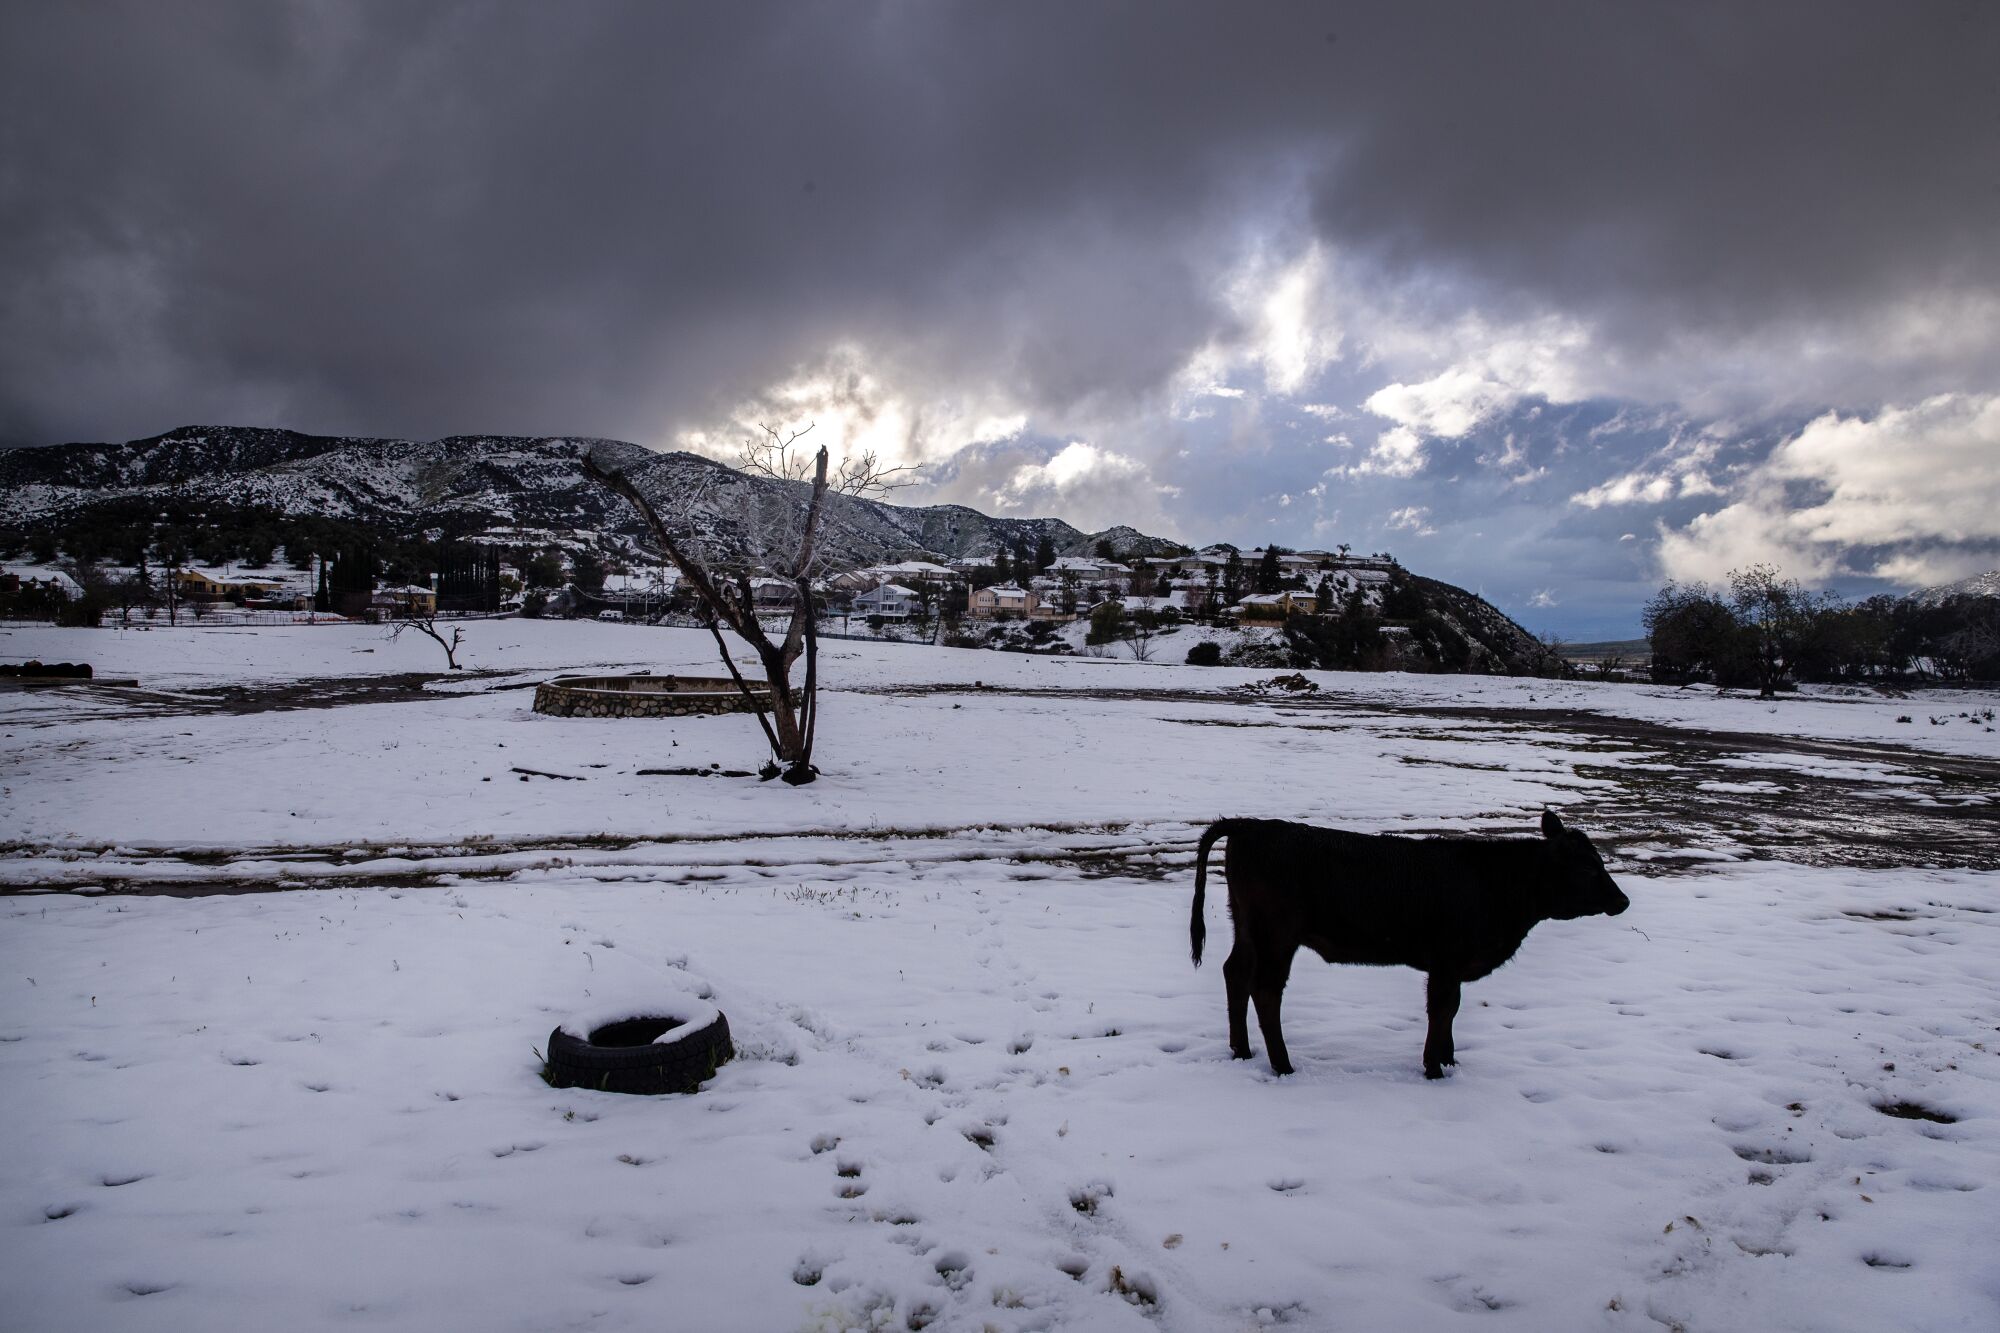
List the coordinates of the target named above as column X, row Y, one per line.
column 790, row 718
column 780, row 719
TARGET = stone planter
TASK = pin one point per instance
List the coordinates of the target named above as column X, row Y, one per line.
column 643, row 696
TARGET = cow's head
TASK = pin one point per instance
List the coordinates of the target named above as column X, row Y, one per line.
column 1581, row 887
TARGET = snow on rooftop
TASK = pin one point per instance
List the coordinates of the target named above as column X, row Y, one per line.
column 44, row 574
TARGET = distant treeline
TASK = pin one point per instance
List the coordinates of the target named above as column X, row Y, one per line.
column 1765, row 631
column 173, row 532
column 130, row 532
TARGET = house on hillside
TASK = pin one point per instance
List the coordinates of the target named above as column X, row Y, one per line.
column 1274, row 607
column 892, row 601
column 1106, row 578
column 207, row 585
column 1002, row 601
column 40, row 578
column 411, row 599
column 908, row 572
column 769, row 595
column 849, row 581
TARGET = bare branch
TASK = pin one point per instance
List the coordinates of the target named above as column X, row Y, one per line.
column 772, row 455
column 742, row 620
column 864, row 474
column 428, row 625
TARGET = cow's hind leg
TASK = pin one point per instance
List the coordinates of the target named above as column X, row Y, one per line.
column 1237, row 970
column 1267, row 988
column 1441, row 995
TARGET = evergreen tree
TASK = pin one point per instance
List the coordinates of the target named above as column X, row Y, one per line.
column 587, row 571
column 1269, row 572
column 1045, row 553
column 1232, row 580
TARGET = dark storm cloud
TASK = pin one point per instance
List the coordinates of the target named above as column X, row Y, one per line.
column 613, row 219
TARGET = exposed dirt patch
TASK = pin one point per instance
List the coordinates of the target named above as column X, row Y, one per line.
column 1916, row 1111
column 1696, row 795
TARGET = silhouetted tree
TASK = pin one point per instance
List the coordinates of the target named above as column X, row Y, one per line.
column 789, row 537
column 1269, row 572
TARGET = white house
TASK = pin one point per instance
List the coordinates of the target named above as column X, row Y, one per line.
column 907, row 572
column 892, row 601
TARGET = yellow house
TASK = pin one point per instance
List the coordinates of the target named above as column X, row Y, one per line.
column 1275, row 606
column 1004, row 599
column 412, row 600
column 206, row 585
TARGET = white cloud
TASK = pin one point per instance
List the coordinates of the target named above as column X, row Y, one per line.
column 855, row 403
column 1909, row 495
column 1489, row 369
column 1295, row 336
column 1413, row 518
column 1632, row 488
column 1398, row 452
column 1282, row 328
column 1680, row 469
column 1076, row 466
column 1449, row 405
column 1754, row 532
column 1543, row 598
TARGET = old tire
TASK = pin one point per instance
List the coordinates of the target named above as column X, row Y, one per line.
column 624, row 1055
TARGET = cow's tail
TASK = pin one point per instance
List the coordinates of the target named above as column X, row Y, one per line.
column 1198, row 928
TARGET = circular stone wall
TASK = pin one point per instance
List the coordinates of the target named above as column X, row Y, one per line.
column 642, row 696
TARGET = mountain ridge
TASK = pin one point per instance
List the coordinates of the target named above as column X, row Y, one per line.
column 489, row 484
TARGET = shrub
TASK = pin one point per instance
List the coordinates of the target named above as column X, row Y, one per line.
column 1206, row 653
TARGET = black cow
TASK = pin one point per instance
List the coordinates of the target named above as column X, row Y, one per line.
column 1454, row 908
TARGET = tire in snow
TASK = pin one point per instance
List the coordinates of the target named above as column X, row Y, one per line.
column 642, row 1053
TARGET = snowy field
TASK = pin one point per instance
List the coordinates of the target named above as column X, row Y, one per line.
column 287, row 926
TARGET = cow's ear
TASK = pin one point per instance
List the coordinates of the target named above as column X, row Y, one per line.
column 1552, row 825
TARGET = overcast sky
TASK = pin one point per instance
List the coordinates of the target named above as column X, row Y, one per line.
column 1550, row 300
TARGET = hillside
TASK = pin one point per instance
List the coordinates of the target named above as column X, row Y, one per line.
column 533, row 491
column 482, row 484
column 1979, row 585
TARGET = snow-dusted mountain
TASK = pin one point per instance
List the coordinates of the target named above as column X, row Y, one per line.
column 482, row 483
column 1979, row 585
column 535, row 489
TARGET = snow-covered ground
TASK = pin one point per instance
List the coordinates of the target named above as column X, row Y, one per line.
column 979, row 1082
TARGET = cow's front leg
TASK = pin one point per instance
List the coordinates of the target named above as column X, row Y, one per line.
column 1441, row 995
column 1236, row 972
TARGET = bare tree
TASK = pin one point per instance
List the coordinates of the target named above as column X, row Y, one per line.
column 171, row 591
column 427, row 625
column 788, row 534
column 1138, row 631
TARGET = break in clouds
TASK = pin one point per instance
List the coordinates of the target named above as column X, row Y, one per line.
column 1550, row 301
